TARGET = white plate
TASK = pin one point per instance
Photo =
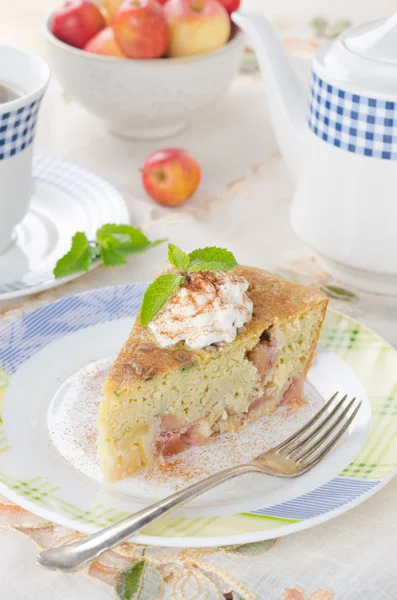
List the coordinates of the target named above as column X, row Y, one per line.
column 53, row 362
column 65, row 198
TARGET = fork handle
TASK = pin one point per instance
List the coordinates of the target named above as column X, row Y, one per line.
column 74, row 556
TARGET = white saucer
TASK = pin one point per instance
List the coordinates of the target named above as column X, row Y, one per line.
column 66, row 198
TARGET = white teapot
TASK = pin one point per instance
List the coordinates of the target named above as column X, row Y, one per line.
column 340, row 146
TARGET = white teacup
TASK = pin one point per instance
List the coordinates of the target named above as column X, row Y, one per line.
column 29, row 75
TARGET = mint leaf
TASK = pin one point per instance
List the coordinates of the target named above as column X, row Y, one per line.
column 211, row 259
column 116, row 242
column 78, row 258
column 157, row 295
column 125, row 237
column 178, row 258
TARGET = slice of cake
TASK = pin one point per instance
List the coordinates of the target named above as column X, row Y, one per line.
column 166, row 392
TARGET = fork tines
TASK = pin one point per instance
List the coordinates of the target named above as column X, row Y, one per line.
column 311, row 443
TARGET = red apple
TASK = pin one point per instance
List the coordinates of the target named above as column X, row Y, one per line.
column 104, row 43
column 140, row 29
column 76, row 22
column 196, row 26
column 171, row 176
column 230, row 5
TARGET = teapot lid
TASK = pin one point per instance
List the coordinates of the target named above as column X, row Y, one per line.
column 362, row 59
column 375, row 41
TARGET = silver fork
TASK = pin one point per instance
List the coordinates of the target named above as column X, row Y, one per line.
column 295, row 456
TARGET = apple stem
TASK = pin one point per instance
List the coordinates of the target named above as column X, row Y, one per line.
column 160, row 176
column 197, row 5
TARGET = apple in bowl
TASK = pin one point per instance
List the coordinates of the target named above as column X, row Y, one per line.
column 196, row 26
column 104, row 43
column 140, row 29
column 76, row 22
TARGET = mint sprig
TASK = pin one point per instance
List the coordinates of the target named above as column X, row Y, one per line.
column 112, row 245
column 162, row 288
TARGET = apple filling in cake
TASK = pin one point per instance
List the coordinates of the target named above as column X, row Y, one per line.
column 160, row 400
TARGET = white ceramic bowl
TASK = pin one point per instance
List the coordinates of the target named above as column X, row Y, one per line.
column 144, row 99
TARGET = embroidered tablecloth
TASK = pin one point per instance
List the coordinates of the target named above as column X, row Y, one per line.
column 351, row 557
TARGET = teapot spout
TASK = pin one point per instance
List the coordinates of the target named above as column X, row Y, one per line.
column 287, row 103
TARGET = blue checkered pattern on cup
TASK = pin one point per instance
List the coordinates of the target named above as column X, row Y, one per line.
column 17, row 129
column 355, row 123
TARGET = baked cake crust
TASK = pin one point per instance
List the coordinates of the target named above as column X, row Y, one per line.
column 274, row 300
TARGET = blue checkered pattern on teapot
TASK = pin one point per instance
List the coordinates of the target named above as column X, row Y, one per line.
column 365, row 126
column 17, row 129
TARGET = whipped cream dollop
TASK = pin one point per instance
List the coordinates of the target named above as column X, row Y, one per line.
column 208, row 310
